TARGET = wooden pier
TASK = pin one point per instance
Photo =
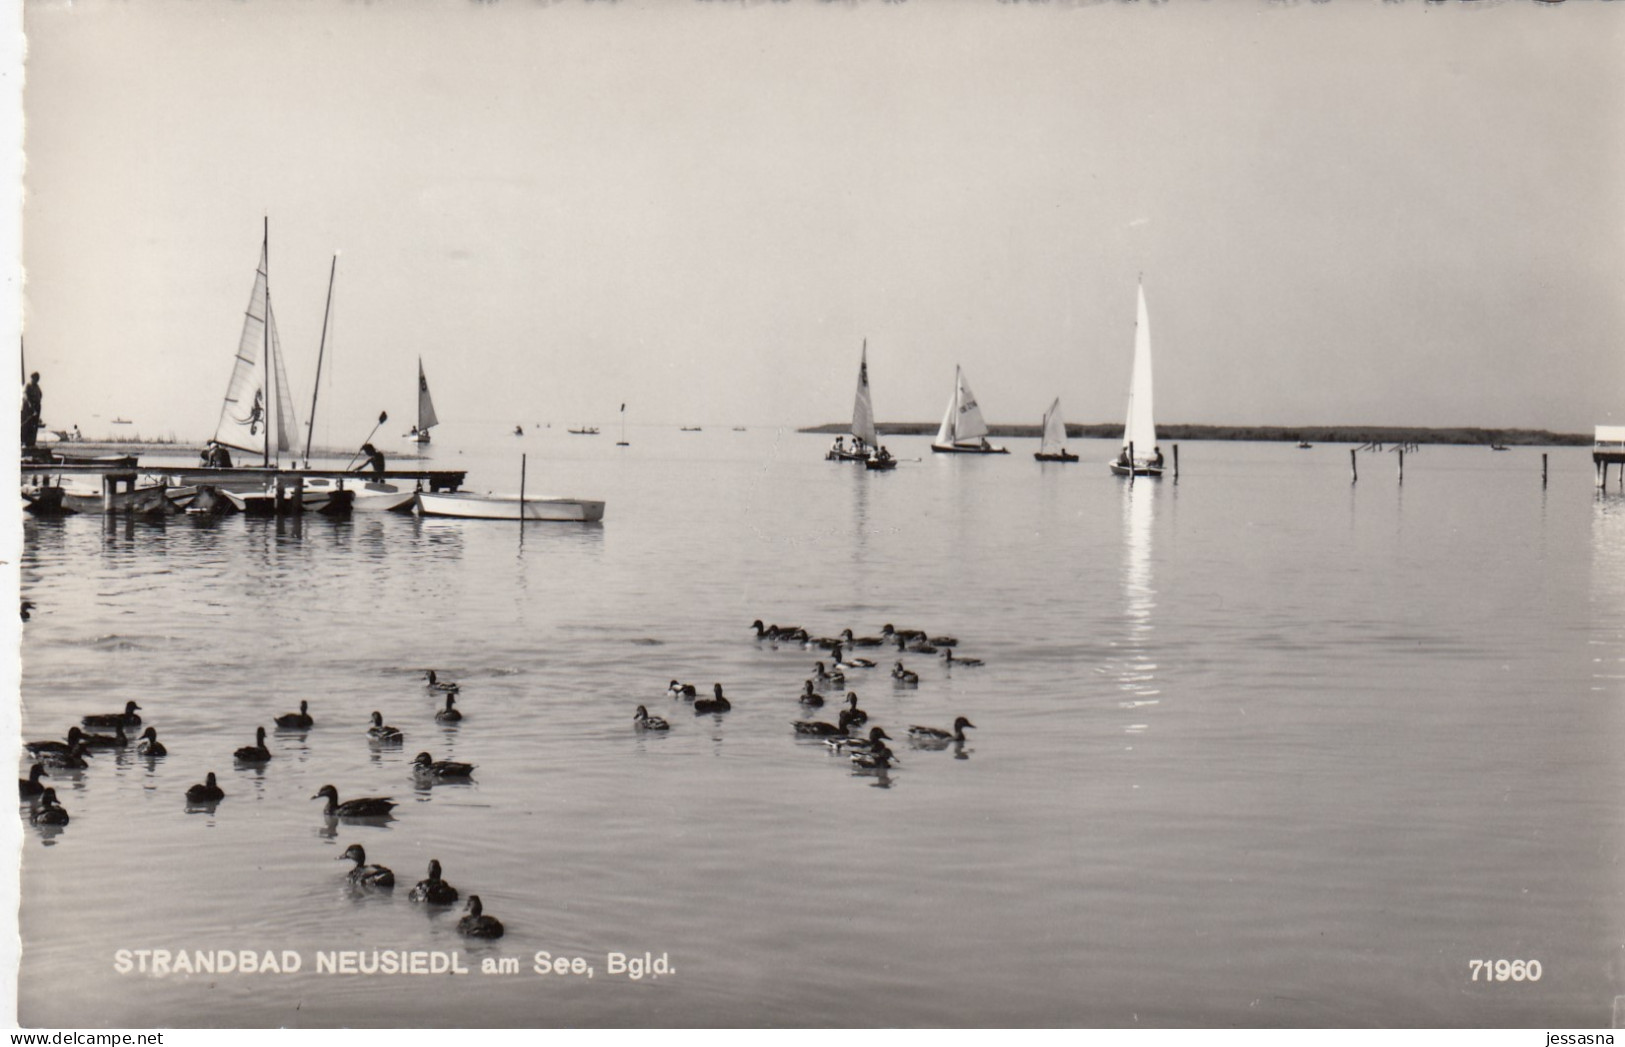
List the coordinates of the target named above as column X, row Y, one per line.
column 288, row 484
column 1609, row 449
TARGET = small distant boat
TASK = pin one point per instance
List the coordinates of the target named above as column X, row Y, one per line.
column 690, row 428
column 470, row 506
column 1304, row 445
column 863, row 420
column 122, row 421
column 622, row 441
column 1140, row 456
column 963, row 431
column 1498, row 447
column 1050, row 447
column 426, row 417
column 586, row 430
column 739, row 428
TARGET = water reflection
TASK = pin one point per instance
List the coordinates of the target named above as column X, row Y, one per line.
column 1135, row 669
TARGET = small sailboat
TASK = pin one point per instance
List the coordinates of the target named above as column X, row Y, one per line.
column 963, row 431
column 1051, row 445
column 586, row 430
column 1140, row 455
column 419, row 433
column 622, row 441
column 496, row 506
column 863, row 420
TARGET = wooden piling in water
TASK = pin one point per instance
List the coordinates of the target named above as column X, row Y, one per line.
column 1354, row 464
column 1543, row 469
column 1402, row 465
column 1176, row 461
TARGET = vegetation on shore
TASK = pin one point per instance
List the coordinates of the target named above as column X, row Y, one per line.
column 1331, row 434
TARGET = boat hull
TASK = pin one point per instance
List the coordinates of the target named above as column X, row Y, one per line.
column 879, row 464
column 846, row 456
column 969, row 449
column 1062, row 456
column 1119, row 469
column 470, row 506
column 368, row 496
column 153, row 498
column 263, row 502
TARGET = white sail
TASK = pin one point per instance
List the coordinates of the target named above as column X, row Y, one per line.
column 1054, row 430
column 284, row 421
column 863, row 412
column 1140, row 431
column 257, row 397
column 970, row 427
column 945, row 434
column 426, row 416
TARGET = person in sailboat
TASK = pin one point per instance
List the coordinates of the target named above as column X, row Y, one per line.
column 375, row 460
column 215, row 456
column 839, row 446
column 1156, row 457
column 33, row 410
column 1123, row 458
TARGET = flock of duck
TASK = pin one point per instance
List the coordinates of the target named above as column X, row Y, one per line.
column 867, row 751
column 74, row 752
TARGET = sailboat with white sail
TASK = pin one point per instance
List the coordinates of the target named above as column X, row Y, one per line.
column 963, row 431
column 1140, row 455
column 419, row 433
column 863, row 420
column 1052, row 445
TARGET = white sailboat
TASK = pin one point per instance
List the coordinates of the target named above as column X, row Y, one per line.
column 1140, row 455
column 426, row 415
column 963, row 431
column 863, row 420
column 1051, row 446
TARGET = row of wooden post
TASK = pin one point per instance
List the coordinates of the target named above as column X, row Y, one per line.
column 1354, row 467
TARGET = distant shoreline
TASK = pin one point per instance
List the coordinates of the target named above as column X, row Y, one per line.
column 1331, row 434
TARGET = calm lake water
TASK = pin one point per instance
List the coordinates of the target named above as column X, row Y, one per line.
column 1261, row 747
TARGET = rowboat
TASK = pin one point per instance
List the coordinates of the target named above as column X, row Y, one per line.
column 470, row 506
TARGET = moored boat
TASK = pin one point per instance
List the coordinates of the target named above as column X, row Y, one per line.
column 426, row 416
column 470, row 506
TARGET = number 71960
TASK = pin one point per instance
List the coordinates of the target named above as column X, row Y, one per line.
column 1506, row 970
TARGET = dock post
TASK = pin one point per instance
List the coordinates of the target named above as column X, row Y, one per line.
column 277, row 502
column 109, row 485
column 299, row 493
column 1402, row 465
column 1354, row 465
column 1543, row 468
column 1176, row 461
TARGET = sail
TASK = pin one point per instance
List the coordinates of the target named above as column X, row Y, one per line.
column 863, row 412
column 1054, row 430
column 1140, row 430
column 970, row 427
column 945, row 434
column 284, row 422
column 426, row 416
column 242, row 417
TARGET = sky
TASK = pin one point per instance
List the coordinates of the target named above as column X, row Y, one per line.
column 1346, row 212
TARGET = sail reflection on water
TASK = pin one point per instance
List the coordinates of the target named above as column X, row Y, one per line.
column 1136, row 667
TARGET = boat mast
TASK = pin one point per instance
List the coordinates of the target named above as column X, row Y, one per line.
column 310, row 427
column 265, row 245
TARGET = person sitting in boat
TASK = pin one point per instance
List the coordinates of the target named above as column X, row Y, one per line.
column 883, row 454
column 1156, row 457
column 839, row 446
column 215, row 456
column 1123, row 458
column 375, row 460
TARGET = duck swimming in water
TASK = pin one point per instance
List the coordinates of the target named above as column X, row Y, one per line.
column 381, row 732
column 117, row 740
column 943, row 641
column 828, row 679
column 915, row 646
column 364, row 875
column 476, row 924
column 425, row 764
column 879, row 758
column 644, row 722
column 434, row 890
column 906, row 677
column 685, row 691
column 30, row 786
column 449, row 714
column 256, row 753
column 206, row 792
column 717, row 704
column 937, row 734
column 360, row 807
column 906, row 635
column 75, row 759
column 809, row 697
column 75, row 736
column 852, row 716
column 969, row 663
column 816, row 728
column 860, row 641
column 49, row 811
column 434, row 683
column 859, row 745
column 128, row 718
column 150, row 745
column 850, row 663
column 298, row 721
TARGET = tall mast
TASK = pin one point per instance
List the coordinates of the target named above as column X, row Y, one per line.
column 265, row 406
column 310, row 429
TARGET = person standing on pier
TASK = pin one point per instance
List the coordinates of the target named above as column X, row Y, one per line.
column 33, row 409
column 375, row 460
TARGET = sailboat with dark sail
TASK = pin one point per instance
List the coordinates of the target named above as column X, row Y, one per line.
column 419, row 433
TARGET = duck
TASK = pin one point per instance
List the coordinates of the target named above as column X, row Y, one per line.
column 791, row 632
column 476, row 924
column 717, row 704
column 816, row 728
column 360, row 807
column 685, row 691
column 117, row 740
column 256, row 753
column 433, row 889
column 859, row 745
column 969, row 663
column 380, row 732
column 907, row 635
column 762, row 631
column 835, row 679
column 150, row 745
column 826, row 642
column 434, row 683
column 73, row 760
column 937, row 734
column 916, row 646
column 943, row 641
column 850, row 663
column 300, row 720
column 860, row 641
column 49, row 811
column 809, row 697
column 206, row 791
column 128, row 718
column 878, row 758
column 449, row 714
column 644, row 722
column 853, row 716
column 425, row 764
column 75, row 736
column 30, row 786
column 906, row 677
column 364, row 875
